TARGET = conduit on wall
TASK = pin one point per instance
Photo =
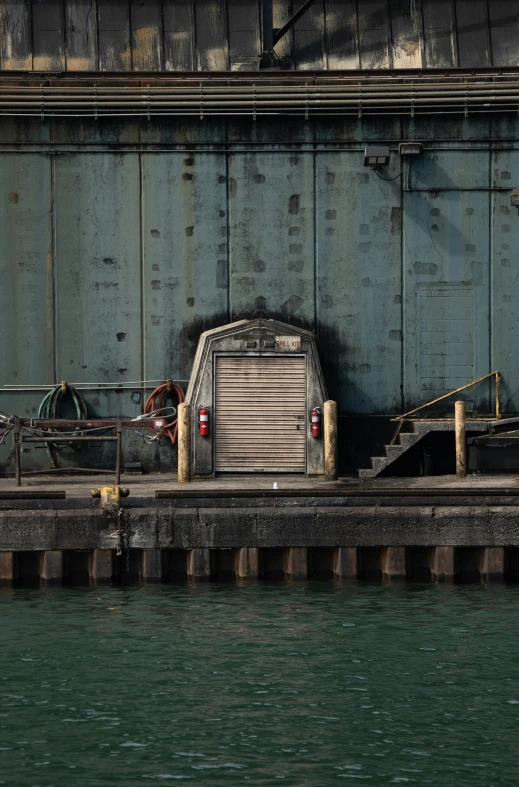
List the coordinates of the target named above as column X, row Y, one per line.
column 256, row 94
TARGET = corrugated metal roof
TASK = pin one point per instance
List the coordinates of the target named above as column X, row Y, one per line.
column 220, row 35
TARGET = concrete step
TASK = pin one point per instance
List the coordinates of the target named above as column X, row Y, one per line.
column 367, row 472
column 407, row 439
column 378, row 463
column 394, row 451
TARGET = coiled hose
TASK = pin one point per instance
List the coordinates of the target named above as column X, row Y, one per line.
column 49, row 409
column 157, row 400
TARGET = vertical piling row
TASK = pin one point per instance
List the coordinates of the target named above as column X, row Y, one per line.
column 146, row 566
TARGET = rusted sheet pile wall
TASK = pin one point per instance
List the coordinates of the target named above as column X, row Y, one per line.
column 120, row 243
column 208, row 35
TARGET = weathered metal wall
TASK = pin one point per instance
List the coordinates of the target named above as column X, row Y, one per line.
column 216, row 35
column 121, row 242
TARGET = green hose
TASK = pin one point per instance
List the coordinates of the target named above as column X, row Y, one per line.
column 49, row 409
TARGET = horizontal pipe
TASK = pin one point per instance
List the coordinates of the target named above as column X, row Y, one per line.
column 258, row 86
column 220, row 148
column 300, row 112
column 258, row 102
column 96, row 423
column 87, row 386
column 25, row 494
column 67, row 470
column 373, row 492
column 260, row 93
column 70, row 439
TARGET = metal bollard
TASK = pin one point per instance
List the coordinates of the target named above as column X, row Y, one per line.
column 461, row 442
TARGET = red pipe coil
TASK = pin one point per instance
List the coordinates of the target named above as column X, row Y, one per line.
column 158, row 399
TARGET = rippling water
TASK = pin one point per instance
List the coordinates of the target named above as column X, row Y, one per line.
column 302, row 685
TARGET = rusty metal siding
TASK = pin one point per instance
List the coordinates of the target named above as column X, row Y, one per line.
column 80, row 35
column 272, row 272
column 359, row 282
column 48, row 35
column 27, row 277
column 147, row 38
column 504, row 284
column 98, row 270
column 179, row 40
column 122, row 241
column 113, row 24
column 185, row 260
column 15, row 35
column 211, row 35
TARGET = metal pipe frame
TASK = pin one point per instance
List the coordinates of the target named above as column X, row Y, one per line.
column 35, row 424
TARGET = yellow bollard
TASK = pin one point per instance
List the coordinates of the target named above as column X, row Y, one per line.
column 184, row 443
column 330, row 440
column 110, row 498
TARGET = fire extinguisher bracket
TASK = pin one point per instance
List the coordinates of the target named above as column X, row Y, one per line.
column 315, row 420
column 203, row 421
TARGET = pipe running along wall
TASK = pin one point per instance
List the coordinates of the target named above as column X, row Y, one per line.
column 256, row 95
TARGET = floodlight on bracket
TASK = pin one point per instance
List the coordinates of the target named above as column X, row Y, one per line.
column 376, row 157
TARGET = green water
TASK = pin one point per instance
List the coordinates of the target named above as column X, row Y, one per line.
column 317, row 684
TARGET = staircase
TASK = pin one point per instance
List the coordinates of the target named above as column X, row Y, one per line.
column 406, row 440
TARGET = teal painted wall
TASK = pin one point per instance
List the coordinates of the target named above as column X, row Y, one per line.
column 120, row 243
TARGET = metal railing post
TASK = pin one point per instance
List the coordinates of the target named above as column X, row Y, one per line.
column 461, row 442
column 118, row 428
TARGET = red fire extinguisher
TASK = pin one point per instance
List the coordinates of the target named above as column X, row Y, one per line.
column 316, row 422
column 203, row 421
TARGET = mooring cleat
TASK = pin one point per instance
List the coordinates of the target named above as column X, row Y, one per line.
column 110, row 498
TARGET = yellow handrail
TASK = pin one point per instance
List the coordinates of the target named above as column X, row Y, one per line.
column 455, row 391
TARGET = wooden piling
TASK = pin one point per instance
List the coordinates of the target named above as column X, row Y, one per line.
column 184, row 443
column 461, row 441
column 297, row 563
column 247, row 563
column 151, row 565
column 330, row 440
column 345, row 564
column 442, row 564
column 51, row 572
column 492, row 564
column 199, row 564
column 393, row 563
column 101, row 567
column 6, row 569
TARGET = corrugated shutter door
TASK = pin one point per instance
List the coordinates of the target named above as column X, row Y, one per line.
column 260, row 413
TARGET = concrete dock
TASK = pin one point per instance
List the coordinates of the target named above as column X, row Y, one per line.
column 241, row 528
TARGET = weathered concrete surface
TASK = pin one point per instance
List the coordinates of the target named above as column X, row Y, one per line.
column 226, row 528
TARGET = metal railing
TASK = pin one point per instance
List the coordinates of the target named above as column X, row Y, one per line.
column 406, row 416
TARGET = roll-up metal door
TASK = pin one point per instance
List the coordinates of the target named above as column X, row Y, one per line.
column 260, row 413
